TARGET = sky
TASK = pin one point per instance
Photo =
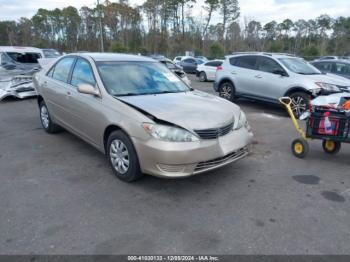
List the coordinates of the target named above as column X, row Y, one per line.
column 260, row 10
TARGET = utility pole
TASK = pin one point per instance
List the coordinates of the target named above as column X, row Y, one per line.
column 101, row 28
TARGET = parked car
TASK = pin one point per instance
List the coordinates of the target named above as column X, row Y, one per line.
column 207, row 71
column 202, row 58
column 51, row 53
column 328, row 57
column 268, row 76
column 199, row 61
column 17, row 66
column 334, row 66
column 177, row 59
column 175, row 69
column 143, row 117
column 189, row 65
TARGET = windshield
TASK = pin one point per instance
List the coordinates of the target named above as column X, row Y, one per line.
column 139, row 78
column 51, row 53
column 299, row 66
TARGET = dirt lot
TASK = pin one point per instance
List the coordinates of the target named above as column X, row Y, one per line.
column 58, row 196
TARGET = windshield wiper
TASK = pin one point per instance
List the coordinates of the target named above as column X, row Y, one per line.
column 311, row 73
column 167, row 92
column 131, row 94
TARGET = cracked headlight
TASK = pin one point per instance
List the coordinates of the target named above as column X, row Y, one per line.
column 169, row 133
column 243, row 122
column 328, row 87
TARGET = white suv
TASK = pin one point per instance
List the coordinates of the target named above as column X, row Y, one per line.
column 268, row 76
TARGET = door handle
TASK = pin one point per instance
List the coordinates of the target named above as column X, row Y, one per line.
column 234, row 73
column 45, row 84
column 258, row 76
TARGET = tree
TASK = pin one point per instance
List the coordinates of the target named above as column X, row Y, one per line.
column 216, row 51
column 230, row 12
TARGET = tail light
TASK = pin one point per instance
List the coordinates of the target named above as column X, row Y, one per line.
column 219, row 68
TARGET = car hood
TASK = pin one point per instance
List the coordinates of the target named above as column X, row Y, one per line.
column 330, row 79
column 190, row 110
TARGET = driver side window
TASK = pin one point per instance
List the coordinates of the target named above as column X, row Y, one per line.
column 82, row 73
column 268, row 65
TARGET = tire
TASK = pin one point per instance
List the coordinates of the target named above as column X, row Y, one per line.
column 202, row 77
column 300, row 148
column 331, row 147
column 300, row 102
column 227, row 91
column 121, row 150
column 45, row 119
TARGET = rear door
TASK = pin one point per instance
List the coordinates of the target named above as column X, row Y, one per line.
column 55, row 89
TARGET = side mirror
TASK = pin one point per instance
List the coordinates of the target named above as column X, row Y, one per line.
column 88, row 89
column 280, row 72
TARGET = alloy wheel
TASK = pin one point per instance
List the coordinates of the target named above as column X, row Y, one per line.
column 44, row 115
column 119, row 156
column 226, row 91
column 298, row 105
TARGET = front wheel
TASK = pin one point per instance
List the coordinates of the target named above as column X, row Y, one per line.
column 300, row 148
column 227, row 91
column 122, row 157
column 299, row 103
column 331, row 147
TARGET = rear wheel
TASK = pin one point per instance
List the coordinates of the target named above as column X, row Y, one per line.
column 300, row 102
column 46, row 122
column 122, row 157
column 300, row 148
column 331, row 147
column 202, row 76
column 227, row 91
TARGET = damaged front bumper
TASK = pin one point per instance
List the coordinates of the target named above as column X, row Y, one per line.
column 19, row 87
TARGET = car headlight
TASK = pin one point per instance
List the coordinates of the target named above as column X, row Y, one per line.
column 328, row 87
column 242, row 122
column 169, row 133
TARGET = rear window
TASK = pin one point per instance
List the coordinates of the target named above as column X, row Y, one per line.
column 25, row 58
column 248, row 62
column 214, row 63
column 62, row 69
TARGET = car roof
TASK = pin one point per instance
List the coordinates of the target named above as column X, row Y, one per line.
column 266, row 54
column 19, row 49
column 114, row 57
column 345, row 61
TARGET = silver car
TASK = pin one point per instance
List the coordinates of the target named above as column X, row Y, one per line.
column 141, row 115
column 267, row 77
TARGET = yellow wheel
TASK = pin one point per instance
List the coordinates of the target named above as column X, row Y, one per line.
column 300, row 148
column 331, row 147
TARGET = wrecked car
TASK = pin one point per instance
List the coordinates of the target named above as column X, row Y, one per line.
column 17, row 66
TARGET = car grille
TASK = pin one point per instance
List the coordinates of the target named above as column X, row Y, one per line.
column 221, row 160
column 214, row 133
